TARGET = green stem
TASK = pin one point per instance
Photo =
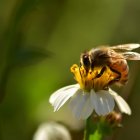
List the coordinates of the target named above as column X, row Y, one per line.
column 97, row 135
column 94, row 130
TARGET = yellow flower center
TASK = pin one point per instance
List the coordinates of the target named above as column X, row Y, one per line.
column 88, row 79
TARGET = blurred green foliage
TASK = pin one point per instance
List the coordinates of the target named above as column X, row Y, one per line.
column 40, row 40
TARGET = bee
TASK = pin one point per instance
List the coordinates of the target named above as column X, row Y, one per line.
column 112, row 56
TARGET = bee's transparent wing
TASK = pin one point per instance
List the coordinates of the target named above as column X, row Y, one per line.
column 131, row 55
column 125, row 47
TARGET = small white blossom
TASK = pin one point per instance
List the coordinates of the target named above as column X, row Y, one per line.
column 83, row 103
column 51, row 131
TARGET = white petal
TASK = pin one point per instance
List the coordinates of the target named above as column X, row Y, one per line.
column 103, row 102
column 122, row 104
column 60, row 97
column 81, row 105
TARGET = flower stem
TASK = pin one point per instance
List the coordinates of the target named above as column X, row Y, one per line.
column 95, row 130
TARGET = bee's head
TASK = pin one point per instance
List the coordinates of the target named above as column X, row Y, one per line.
column 84, row 60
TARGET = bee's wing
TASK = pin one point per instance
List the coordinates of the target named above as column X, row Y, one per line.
column 131, row 55
column 125, row 47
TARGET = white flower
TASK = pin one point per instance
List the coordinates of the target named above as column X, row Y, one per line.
column 83, row 103
column 90, row 94
column 46, row 132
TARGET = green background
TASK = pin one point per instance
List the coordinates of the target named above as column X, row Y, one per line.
column 40, row 40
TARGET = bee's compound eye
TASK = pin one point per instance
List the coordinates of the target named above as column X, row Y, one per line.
column 86, row 60
column 85, row 57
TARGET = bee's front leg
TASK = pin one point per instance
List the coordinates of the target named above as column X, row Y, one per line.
column 117, row 79
column 101, row 72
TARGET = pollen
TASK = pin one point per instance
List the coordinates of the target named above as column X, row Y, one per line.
column 89, row 79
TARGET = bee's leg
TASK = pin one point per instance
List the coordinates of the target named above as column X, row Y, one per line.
column 80, row 64
column 119, row 74
column 79, row 69
column 101, row 72
column 117, row 78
